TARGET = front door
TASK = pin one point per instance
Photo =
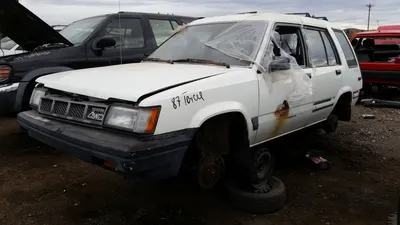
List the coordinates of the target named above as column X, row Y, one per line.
column 279, row 111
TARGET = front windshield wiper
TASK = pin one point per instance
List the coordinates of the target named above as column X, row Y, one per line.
column 202, row 61
column 158, row 60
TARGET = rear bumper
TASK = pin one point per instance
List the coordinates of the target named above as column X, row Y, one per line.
column 151, row 158
column 8, row 94
column 391, row 78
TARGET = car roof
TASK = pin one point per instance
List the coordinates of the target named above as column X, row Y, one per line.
column 276, row 17
column 139, row 14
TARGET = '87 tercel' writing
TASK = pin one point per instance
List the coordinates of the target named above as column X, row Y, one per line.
column 187, row 99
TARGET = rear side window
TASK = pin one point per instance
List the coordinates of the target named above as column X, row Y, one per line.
column 316, row 48
column 347, row 49
column 330, row 53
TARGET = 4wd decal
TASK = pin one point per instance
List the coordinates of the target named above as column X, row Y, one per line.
column 96, row 114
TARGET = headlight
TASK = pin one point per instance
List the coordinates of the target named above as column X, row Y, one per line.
column 5, row 72
column 140, row 120
column 37, row 94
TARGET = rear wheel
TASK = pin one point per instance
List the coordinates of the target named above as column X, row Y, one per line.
column 331, row 124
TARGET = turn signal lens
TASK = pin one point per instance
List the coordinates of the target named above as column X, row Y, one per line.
column 5, row 72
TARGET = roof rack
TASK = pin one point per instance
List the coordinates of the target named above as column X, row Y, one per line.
column 310, row 16
column 252, row 12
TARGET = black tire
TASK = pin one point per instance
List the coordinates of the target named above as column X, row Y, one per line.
column 393, row 219
column 264, row 203
column 260, row 170
column 331, row 124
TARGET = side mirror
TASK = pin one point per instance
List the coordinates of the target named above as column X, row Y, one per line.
column 105, row 42
column 280, row 63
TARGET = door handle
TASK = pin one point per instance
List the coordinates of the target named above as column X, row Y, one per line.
column 338, row 72
column 309, row 75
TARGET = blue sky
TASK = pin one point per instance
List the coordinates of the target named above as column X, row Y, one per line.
column 349, row 11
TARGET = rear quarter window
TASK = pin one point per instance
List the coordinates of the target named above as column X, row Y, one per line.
column 347, row 48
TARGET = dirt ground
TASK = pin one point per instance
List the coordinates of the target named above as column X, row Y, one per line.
column 39, row 185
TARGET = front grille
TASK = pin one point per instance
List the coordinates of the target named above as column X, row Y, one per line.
column 60, row 108
column 85, row 112
column 76, row 110
column 45, row 105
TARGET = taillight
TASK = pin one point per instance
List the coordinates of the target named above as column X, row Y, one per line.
column 397, row 59
column 5, row 73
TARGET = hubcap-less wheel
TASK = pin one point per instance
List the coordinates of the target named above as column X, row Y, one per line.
column 210, row 169
column 262, row 171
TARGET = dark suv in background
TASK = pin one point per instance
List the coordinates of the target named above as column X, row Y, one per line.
column 124, row 37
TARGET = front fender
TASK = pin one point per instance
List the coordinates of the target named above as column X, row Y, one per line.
column 219, row 108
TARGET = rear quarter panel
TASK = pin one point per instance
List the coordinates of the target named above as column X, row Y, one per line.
column 351, row 76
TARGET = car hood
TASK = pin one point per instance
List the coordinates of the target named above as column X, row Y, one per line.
column 130, row 81
column 25, row 28
column 6, row 52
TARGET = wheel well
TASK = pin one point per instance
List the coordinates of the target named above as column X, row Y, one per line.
column 235, row 123
column 27, row 94
column 343, row 107
column 232, row 133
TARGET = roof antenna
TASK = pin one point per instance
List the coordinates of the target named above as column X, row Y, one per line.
column 120, row 37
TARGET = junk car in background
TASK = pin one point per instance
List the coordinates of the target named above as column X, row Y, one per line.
column 124, row 37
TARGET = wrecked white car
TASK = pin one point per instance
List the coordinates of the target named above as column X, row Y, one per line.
column 206, row 99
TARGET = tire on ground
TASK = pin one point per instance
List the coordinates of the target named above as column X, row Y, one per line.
column 393, row 219
column 331, row 124
column 265, row 203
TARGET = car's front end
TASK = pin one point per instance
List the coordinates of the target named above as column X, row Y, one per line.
column 112, row 134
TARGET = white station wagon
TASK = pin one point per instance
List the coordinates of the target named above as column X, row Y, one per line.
column 206, row 99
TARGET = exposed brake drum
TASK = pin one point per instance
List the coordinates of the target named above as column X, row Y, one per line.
column 210, row 169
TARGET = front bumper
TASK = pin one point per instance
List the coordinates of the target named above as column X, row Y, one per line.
column 8, row 94
column 146, row 158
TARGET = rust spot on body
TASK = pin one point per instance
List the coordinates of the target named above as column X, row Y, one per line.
column 282, row 114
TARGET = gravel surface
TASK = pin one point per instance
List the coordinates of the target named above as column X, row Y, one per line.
column 39, row 185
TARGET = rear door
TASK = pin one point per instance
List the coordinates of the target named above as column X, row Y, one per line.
column 326, row 71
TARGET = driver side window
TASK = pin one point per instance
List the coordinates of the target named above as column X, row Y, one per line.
column 127, row 33
column 289, row 40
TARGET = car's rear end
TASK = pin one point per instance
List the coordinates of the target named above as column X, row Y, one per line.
column 378, row 53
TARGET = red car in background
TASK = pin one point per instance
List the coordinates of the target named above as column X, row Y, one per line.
column 378, row 53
